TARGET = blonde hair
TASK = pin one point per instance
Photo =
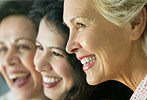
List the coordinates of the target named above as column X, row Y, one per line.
column 120, row 12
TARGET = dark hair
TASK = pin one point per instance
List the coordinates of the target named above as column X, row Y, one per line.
column 20, row 7
column 53, row 11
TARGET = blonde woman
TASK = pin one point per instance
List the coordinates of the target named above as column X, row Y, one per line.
column 109, row 37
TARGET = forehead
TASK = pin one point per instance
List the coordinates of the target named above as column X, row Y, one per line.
column 48, row 35
column 16, row 27
column 79, row 8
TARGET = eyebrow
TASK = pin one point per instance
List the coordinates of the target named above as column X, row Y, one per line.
column 22, row 38
column 25, row 39
column 62, row 49
column 74, row 18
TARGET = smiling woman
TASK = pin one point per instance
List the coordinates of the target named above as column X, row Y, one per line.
column 112, row 42
column 17, row 49
column 51, row 60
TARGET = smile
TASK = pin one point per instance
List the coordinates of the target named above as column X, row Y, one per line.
column 19, row 79
column 88, row 61
column 50, row 82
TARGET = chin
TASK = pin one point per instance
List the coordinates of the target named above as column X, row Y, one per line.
column 52, row 97
column 24, row 96
column 94, row 81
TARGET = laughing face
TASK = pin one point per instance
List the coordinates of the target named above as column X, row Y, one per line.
column 50, row 60
column 17, row 49
column 102, row 47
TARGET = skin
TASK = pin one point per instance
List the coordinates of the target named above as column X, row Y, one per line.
column 17, row 50
column 51, row 61
column 118, row 50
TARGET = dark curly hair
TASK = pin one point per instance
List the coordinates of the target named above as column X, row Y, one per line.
column 21, row 7
column 52, row 10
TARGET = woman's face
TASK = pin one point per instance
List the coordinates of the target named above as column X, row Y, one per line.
column 102, row 47
column 51, row 61
column 17, row 49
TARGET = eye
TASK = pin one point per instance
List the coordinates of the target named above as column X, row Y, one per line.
column 39, row 47
column 3, row 49
column 57, row 54
column 80, row 25
column 23, row 47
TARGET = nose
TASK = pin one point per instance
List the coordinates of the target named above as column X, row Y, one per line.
column 11, row 58
column 73, row 44
column 41, row 62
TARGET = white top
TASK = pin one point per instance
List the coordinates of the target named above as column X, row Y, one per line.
column 8, row 96
column 141, row 92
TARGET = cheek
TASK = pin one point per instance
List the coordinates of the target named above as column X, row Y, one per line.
column 91, row 41
column 27, row 60
column 104, row 40
column 64, row 70
column 29, row 64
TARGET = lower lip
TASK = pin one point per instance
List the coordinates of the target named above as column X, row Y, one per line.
column 87, row 67
column 50, row 85
column 21, row 84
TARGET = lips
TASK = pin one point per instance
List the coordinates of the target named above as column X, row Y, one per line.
column 19, row 78
column 50, row 82
column 87, row 61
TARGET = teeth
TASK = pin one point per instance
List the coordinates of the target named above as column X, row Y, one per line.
column 51, row 80
column 14, row 76
column 88, row 60
column 93, row 57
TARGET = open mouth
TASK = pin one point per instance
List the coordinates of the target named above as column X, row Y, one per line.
column 88, row 62
column 19, row 79
column 50, row 82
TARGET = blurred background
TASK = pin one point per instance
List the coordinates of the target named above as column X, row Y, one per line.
column 3, row 85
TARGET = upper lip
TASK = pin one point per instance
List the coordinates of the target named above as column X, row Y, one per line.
column 15, row 72
column 80, row 58
column 51, row 76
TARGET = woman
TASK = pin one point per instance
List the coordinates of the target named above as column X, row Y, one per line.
column 109, row 37
column 17, row 49
column 51, row 59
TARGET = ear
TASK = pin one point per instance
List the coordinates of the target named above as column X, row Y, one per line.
column 138, row 25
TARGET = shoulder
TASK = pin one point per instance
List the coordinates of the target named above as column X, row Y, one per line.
column 141, row 92
column 7, row 96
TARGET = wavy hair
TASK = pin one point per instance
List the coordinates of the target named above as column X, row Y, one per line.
column 52, row 10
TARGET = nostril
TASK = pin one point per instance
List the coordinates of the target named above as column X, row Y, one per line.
column 74, row 50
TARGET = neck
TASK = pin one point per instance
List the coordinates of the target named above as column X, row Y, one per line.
column 40, row 97
column 136, row 69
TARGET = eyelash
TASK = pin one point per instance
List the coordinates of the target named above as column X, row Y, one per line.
column 80, row 25
column 39, row 47
column 57, row 54
column 3, row 49
column 19, row 47
column 54, row 53
column 23, row 47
